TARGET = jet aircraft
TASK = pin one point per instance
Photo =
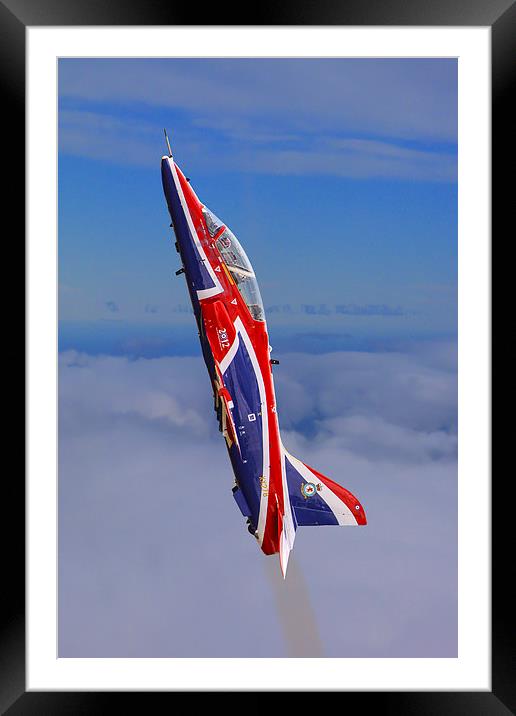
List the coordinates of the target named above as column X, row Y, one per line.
column 275, row 491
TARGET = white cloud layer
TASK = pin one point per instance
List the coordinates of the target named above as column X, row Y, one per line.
column 154, row 556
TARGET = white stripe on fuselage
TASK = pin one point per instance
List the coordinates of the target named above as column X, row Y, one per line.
column 228, row 358
column 217, row 288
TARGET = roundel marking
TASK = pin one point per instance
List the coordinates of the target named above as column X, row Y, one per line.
column 308, row 489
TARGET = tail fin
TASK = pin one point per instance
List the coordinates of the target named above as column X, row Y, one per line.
column 317, row 500
column 310, row 498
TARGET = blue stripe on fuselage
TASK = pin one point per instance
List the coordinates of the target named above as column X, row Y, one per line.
column 196, row 272
column 241, row 382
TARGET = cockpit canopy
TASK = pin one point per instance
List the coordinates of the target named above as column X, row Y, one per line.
column 212, row 222
column 238, row 264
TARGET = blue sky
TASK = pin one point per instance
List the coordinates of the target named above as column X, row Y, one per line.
column 340, row 179
column 338, row 176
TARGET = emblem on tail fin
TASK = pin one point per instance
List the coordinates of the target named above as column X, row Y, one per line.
column 308, row 489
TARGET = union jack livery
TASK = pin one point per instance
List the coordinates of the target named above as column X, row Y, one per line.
column 275, row 491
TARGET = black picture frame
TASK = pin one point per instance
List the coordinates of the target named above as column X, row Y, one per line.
column 15, row 16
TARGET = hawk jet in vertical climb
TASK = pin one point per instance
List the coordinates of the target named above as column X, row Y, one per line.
column 275, row 491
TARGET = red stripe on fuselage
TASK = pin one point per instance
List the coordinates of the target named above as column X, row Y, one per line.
column 257, row 332
column 275, row 510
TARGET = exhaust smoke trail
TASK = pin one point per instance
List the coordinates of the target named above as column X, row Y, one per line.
column 295, row 611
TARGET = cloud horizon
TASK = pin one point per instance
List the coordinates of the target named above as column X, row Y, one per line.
column 147, row 520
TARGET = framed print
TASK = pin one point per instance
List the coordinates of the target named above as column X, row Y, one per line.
column 353, row 152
